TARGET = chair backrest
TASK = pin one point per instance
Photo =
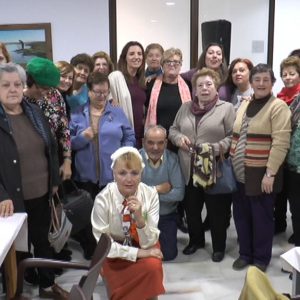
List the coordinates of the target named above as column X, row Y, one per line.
column 76, row 293
column 88, row 282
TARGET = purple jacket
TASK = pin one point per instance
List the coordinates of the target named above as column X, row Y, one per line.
column 114, row 132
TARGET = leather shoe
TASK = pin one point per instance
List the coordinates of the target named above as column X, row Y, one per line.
column 55, row 292
column 191, row 248
column 239, row 264
column 217, row 256
column 262, row 267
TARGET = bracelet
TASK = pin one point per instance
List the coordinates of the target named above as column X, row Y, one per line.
column 68, row 157
column 269, row 175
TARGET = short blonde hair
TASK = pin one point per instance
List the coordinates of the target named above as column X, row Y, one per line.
column 291, row 61
column 170, row 53
column 207, row 72
column 128, row 155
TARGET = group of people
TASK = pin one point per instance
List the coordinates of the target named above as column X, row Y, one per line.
column 130, row 137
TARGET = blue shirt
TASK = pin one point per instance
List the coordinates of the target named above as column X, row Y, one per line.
column 168, row 171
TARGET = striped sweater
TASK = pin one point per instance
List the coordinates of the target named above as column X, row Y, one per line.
column 268, row 139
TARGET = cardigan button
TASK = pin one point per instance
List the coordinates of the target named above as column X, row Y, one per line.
column 18, row 189
column 14, row 161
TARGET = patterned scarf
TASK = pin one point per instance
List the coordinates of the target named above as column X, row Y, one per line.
column 129, row 227
column 204, row 166
column 200, row 112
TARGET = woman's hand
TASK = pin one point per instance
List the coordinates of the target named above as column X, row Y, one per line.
column 65, row 170
column 267, row 184
column 135, row 207
column 54, row 190
column 6, row 208
column 88, row 133
column 185, row 143
column 115, row 103
column 152, row 252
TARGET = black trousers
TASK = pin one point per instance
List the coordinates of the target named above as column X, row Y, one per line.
column 280, row 208
column 218, row 207
column 293, row 188
column 39, row 217
column 85, row 236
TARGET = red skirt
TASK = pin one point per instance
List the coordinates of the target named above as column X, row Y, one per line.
column 127, row 280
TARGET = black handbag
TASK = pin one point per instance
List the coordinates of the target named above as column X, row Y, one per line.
column 78, row 205
column 225, row 179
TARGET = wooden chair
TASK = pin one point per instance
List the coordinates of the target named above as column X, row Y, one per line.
column 85, row 288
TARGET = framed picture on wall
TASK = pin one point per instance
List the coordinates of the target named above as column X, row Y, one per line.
column 25, row 41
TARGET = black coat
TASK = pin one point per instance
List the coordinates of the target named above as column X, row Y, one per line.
column 10, row 171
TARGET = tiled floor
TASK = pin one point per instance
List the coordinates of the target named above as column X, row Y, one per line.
column 196, row 277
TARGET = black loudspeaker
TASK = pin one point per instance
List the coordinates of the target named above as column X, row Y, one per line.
column 218, row 31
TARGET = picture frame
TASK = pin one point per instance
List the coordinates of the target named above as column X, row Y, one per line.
column 25, row 41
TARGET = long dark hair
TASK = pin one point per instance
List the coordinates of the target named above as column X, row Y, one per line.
column 122, row 64
column 223, row 67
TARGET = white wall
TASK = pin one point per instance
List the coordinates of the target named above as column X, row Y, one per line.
column 151, row 21
column 249, row 22
column 77, row 26
column 286, row 34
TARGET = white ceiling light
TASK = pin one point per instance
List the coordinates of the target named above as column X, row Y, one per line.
column 170, row 3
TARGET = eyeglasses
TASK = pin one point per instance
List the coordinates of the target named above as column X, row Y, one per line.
column 99, row 93
column 174, row 63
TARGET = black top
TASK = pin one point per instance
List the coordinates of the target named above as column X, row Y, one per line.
column 168, row 104
column 256, row 105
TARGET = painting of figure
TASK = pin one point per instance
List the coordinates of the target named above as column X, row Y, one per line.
column 25, row 41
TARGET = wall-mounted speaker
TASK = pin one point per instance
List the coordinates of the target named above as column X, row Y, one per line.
column 218, row 31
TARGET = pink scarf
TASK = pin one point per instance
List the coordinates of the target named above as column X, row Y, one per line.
column 184, row 92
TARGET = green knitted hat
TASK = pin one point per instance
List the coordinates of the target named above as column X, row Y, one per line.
column 43, row 71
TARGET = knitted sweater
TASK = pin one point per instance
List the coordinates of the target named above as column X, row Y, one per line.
column 169, row 171
column 268, row 140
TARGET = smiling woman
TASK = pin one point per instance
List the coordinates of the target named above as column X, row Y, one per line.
column 205, row 120
column 260, row 140
column 128, row 86
column 128, row 211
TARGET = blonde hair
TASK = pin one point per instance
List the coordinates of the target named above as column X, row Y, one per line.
column 130, row 156
column 170, row 53
column 291, row 61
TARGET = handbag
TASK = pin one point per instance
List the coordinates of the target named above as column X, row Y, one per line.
column 78, row 205
column 225, row 179
column 60, row 226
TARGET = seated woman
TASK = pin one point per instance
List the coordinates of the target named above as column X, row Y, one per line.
column 128, row 211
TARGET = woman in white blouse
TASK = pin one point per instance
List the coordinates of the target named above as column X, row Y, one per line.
column 128, row 211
